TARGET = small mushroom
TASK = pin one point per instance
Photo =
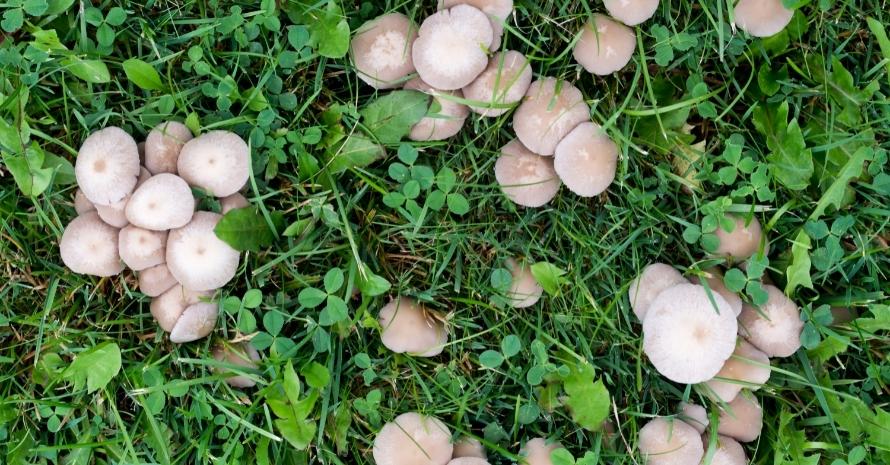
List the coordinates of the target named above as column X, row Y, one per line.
column 663, row 441
column 381, row 50
column 413, row 438
column 89, row 246
column 631, row 12
column 141, row 248
column 163, row 144
column 528, row 179
column 498, row 12
column 549, row 111
column 81, row 203
column 761, row 18
column 728, row 451
column 197, row 258
column 451, row 46
column 156, row 280
column 743, row 418
column 605, row 45
column 695, row 416
column 408, row 327
column 448, row 117
column 503, row 83
column 116, row 213
column 232, row 202
column 468, row 447
column 524, row 289
column 537, row 452
column 107, row 165
column 655, row 278
column 748, row 367
column 162, row 202
column 775, row 328
column 240, row 355
column 468, row 461
column 169, row 306
column 197, row 321
column 743, row 241
column 586, row 160
column 216, row 161
column 714, row 278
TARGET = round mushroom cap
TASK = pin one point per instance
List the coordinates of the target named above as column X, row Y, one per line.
column 631, row 12
column 196, row 322
column 169, row 306
column 549, row 111
column 663, row 441
column 605, row 45
column 468, row 461
column 451, row 46
column 537, row 452
column 586, row 160
column 412, row 438
column 156, row 280
column 528, row 179
column 216, row 161
column 163, row 144
column 524, row 289
column 107, row 165
column 742, row 242
column 685, row 336
column 163, row 202
column 468, row 447
column 444, row 123
column 743, row 418
column 774, row 329
column 232, row 202
column 498, row 12
column 695, row 416
column 81, row 203
column 381, row 50
column 655, row 278
column 748, row 367
column 116, row 213
column 197, row 258
column 241, row 355
column 714, row 278
column 762, row 18
column 89, row 246
column 503, row 83
column 141, row 248
column 728, row 451
column 408, row 327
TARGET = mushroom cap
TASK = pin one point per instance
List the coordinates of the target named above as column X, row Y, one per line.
column 663, row 441
column 586, row 160
column 714, row 278
column 107, row 165
column 413, row 438
column 197, row 258
column 451, row 46
column 631, row 12
column 729, row 451
column 163, row 144
column 89, row 246
column 241, row 355
column 409, row 327
column 468, row 447
column 168, row 307
column 503, row 82
column 685, row 337
column 141, row 248
column 116, row 213
column 742, row 242
column 163, row 202
column 695, row 416
column 232, row 202
column 381, row 50
column 537, row 452
column 748, row 367
column 774, row 329
column 81, row 203
column 468, row 461
column 443, row 124
column 524, row 289
column 605, row 45
column 216, row 161
column 762, row 18
column 655, row 278
column 156, row 280
column 197, row 321
column 743, row 418
column 547, row 114
column 528, row 179
column 498, row 12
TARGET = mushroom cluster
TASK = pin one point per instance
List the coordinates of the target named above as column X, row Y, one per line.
column 606, row 44
column 136, row 209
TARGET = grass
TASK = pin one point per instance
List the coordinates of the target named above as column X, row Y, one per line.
column 167, row 405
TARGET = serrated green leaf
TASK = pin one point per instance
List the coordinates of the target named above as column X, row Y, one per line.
column 798, row 272
column 329, row 31
column 316, row 375
column 390, row 118
column 94, row 367
column 790, row 160
column 587, row 400
column 835, row 193
column 550, row 277
column 298, row 433
column 245, row 229
column 356, row 151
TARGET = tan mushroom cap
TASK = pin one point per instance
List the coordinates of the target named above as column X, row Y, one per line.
column 468, row 461
column 685, row 337
column 714, row 278
column 413, row 438
column 169, row 306
column 762, row 18
column 216, row 161
column 163, row 144
column 442, row 123
column 162, row 202
column 468, row 447
column 748, row 367
column 197, row 258
column 742, row 242
column 527, row 179
column 498, row 12
column 408, row 327
column 524, row 289
column 240, row 355
column 537, row 452
column 116, row 213
column 663, row 441
column 586, row 160
column 728, row 451
column 605, row 45
column 549, row 111
column 774, row 329
column 107, row 165
column 197, row 321
column 655, row 278
column 141, row 248
column 631, row 12
column 89, row 246
column 451, row 46
column 504, row 82
column 81, row 203
column 232, row 202
column 695, row 416
column 156, row 280
column 381, row 50
column 743, row 418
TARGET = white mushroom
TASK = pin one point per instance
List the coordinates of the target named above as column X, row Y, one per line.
column 140, row 248
column 528, row 179
column 714, row 278
column 743, row 241
column 631, row 12
column 89, row 246
column 240, row 355
column 537, row 452
column 163, row 144
column 81, row 203
column 197, row 321
column 775, row 328
column 197, row 258
column 498, row 12
column 156, row 280
column 663, row 441
column 503, row 83
column 695, row 416
column 408, row 327
column 447, row 118
column 605, row 45
column 655, row 278
column 761, row 18
column 747, row 368
column 381, row 50
column 415, row 439
column 115, row 214
column 468, row 461
column 107, row 165
column 743, row 418
column 524, row 289
column 728, row 451
column 169, row 306
column 451, row 46
column 163, row 202
column 468, row 447
column 216, row 161
column 232, row 202
column 586, row 160
column 549, row 111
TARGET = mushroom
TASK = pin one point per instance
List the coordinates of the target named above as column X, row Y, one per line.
column 498, row 12
column 232, row 202
column 169, row 306
column 240, row 355
column 524, row 289
column 742, row 242
column 761, row 18
column 468, row 461
column 413, row 438
column 631, row 12
column 107, row 165
column 586, row 159
column 742, row 419
column 549, row 111
column 89, row 246
column 163, row 144
column 695, row 416
column 775, row 328
column 162, row 202
column 216, row 161
column 528, row 179
column 663, row 441
column 685, row 336
column 714, row 278
column 115, row 214
column 503, row 83
column 197, row 258
column 381, row 50
column 605, row 45
column 156, row 280
column 537, row 452
column 748, row 367
column 408, row 327
column 468, row 447
column 444, row 122
column 655, row 278
column 81, row 203
column 451, row 46
column 141, row 248
column 728, row 451
column 197, row 321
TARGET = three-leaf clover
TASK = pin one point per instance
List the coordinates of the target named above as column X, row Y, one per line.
column 335, row 309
